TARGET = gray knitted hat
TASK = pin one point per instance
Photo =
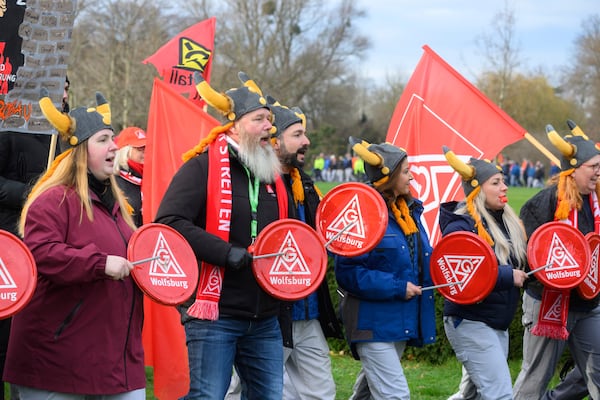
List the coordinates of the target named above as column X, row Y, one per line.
column 381, row 160
column 474, row 173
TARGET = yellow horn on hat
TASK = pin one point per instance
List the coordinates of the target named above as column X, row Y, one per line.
column 249, row 83
column 62, row 122
column 565, row 148
column 576, row 130
column 370, row 158
column 467, row 172
column 219, row 101
column 103, row 108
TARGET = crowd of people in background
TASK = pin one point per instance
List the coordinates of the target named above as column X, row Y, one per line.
column 527, row 173
column 332, row 168
column 350, row 168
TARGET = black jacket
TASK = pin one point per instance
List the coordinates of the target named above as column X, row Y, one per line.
column 23, row 157
column 133, row 192
column 498, row 309
column 327, row 315
column 183, row 207
column 539, row 210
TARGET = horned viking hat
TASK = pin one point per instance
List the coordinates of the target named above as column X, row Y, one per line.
column 284, row 117
column 81, row 123
column 381, row 160
column 474, row 173
column 575, row 149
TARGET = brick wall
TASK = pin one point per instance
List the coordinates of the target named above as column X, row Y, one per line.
column 46, row 33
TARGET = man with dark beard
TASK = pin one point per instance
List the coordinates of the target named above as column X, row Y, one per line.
column 225, row 193
column 307, row 322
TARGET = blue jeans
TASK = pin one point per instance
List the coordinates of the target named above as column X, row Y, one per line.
column 255, row 346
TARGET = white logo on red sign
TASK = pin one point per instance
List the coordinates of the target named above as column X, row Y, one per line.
column 591, row 280
column 593, row 274
column 6, row 279
column 292, row 261
column 554, row 312
column 350, row 214
column 166, row 265
column 560, row 259
column 166, row 271
column 462, row 269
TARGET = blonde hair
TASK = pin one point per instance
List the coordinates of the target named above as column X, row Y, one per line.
column 516, row 244
column 121, row 158
column 70, row 171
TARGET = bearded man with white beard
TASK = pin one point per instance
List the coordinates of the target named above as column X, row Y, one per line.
column 225, row 193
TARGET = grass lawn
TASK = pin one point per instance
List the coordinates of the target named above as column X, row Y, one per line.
column 426, row 381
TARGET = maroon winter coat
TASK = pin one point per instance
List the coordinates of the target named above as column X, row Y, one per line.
column 82, row 331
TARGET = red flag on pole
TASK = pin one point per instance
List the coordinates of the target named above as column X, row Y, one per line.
column 191, row 50
column 175, row 125
column 440, row 107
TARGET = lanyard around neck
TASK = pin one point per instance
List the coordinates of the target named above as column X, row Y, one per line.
column 253, row 189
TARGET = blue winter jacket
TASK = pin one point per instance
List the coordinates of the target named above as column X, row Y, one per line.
column 374, row 308
column 498, row 309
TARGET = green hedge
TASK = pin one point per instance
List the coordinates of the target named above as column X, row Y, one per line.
column 440, row 351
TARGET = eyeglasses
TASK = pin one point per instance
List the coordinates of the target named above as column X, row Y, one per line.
column 594, row 167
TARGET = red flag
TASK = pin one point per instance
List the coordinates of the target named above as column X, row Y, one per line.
column 191, row 50
column 440, row 107
column 175, row 125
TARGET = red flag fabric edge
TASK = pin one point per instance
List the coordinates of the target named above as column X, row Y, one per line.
column 174, row 126
column 439, row 107
column 189, row 51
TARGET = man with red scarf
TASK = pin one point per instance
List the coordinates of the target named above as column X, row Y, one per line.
column 572, row 197
column 224, row 194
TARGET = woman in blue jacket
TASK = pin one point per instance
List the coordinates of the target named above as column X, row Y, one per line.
column 383, row 309
column 478, row 332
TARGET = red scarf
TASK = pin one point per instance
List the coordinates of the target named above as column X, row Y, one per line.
column 554, row 310
column 136, row 166
column 218, row 204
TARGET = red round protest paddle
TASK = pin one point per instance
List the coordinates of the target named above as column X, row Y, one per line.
column 18, row 274
column 169, row 271
column 466, row 265
column 351, row 219
column 565, row 252
column 289, row 260
column 590, row 287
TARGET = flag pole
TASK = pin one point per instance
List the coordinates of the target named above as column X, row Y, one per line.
column 51, row 150
column 541, row 148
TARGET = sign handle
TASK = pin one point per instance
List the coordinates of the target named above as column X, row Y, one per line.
column 538, row 269
column 344, row 229
column 442, row 285
column 164, row 260
column 268, row 255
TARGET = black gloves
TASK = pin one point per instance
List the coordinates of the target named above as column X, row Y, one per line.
column 238, row 257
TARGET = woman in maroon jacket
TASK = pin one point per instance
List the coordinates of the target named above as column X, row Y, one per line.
column 80, row 335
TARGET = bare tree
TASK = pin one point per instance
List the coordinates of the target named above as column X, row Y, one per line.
column 299, row 51
column 110, row 41
column 501, row 50
column 582, row 76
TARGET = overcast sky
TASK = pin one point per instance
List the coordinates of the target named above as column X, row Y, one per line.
column 545, row 32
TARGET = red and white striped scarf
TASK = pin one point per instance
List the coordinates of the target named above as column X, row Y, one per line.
column 218, row 222
column 554, row 310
